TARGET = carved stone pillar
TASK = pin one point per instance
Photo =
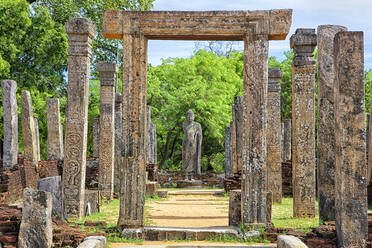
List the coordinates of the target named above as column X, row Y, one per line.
column 254, row 178
column 228, row 162
column 326, row 123
column 118, row 138
column 37, row 136
column 274, row 163
column 10, row 110
column 303, row 43
column 95, row 130
column 80, row 32
column 237, row 133
column 351, row 174
column 287, row 140
column 107, row 72
column 55, row 131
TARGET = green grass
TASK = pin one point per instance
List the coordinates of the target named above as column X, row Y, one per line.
column 282, row 217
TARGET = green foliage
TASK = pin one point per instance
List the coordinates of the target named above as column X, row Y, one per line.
column 204, row 83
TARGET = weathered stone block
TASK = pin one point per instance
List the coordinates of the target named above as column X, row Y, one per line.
column 36, row 227
column 287, row 140
column 349, row 109
column 93, row 242
column 151, row 188
column 235, row 213
column 162, row 193
column 55, row 131
column 288, row 241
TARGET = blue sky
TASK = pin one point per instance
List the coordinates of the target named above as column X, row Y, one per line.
column 355, row 15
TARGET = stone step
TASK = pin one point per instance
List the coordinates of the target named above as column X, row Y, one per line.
column 196, row 192
column 154, row 233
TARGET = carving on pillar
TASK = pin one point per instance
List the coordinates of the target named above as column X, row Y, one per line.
column 326, row 131
column 80, row 32
column 274, row 163
column 108, row 72
column 303, row 43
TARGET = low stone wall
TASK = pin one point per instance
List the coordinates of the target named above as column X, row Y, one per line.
column 169, row 178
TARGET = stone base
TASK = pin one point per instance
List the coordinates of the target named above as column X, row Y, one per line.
column 133, row 233
column 92, row 202
column 189, row 184
column 151, row 188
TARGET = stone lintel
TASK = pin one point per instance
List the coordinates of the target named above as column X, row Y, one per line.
column 303, row 43
column 198, row 25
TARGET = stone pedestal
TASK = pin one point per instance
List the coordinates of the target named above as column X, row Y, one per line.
column 28, row 128
column 287, row 140
column 54, row 186
column 237, row 134
column 326, row 123
column 254, row 177
column 228, row 152
column 235, row 213
column 351, row 174
column 303, row 123
column 108, row 72
column 36, row 227
column 10, row 111
column 118, row 138
column 80, row 32
column 96, row 135
column 274, row 161
column 55, row 131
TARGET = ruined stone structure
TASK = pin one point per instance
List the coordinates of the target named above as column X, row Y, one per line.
column 118, row 138
column 237, row 134
column 55, row 131
column 80, row 32
column 10, row 108
column 256, row 28
column 107, row 72
column 287, row 140
column 326, row 123
column 151, row 148
column 191, row 145
column 349, row 111
column 228, row 151
column 96, row 129
column 28, row 128
column 303, row 43
column 274, row 161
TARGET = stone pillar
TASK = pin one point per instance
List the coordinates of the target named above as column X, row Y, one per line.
column 367, row 145
column 237, row 134
column 326, row 123
column 118, row 138
column 228, row 162
column 235, row 213
column 10, row 111
column 80, row 32
column 96, row 135
column 254, row 177
column 36, row 228
column 303, row 43
column 107, row 72
column 151, row 155
column 274, row 161
column 282, row 140
column 37, row 135
column 55, row 131
column 28, row 128
column 287, row 140
column 133, row 162
column 351, row 174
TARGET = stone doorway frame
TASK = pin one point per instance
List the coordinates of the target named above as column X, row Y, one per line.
column 135, row 28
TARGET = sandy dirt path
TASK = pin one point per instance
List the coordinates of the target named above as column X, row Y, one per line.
column 190, row 211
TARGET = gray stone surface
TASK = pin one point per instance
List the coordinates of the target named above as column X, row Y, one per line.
column 326, row 122
column 235, row 207
column 228, row 151
column 288, row 241
column 54, row 186
column 108, row 72
column 349, row 108
column 80, row 32
column 93, row 200
column 191, row 145
column 287, row 140
column 10, row 117
column 274, row 161
column 28, row 128
column 237, row 134
column 118, row 138
column 133, row 233
column 254, row 173
column 55, row 130
column 303, row 43
column 36, row 228
column 37, row 136
column 151, row 146
column 96, row 135
column 93, row 242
